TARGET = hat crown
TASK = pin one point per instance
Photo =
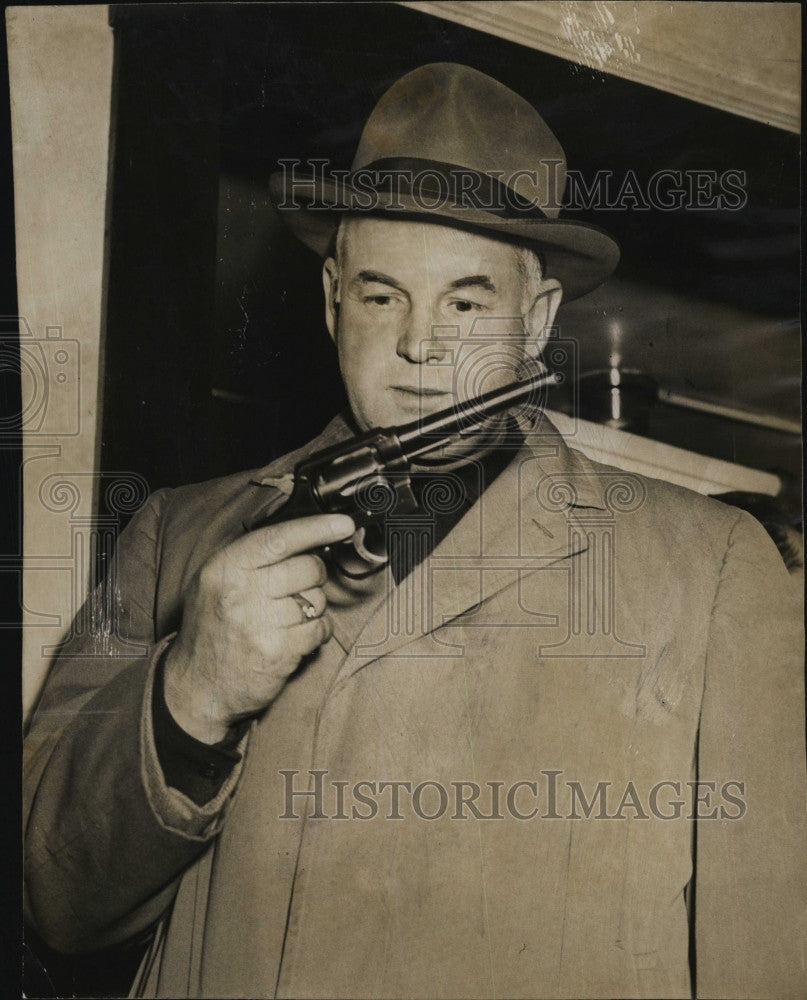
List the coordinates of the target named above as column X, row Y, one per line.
column 450, row 145
column 453, row 114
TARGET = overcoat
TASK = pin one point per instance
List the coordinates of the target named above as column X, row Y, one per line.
column 561, row 759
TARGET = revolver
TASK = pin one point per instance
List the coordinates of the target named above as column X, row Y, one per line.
column 368, row 476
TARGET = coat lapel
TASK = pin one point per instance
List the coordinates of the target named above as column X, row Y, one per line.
column 521, row 524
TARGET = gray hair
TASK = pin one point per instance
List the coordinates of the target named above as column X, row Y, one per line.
column 531, row 266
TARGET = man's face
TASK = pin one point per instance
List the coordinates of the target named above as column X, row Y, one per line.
column 424, row 315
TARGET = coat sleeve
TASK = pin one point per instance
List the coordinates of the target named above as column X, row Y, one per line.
column 750, row 895
column 106, row 839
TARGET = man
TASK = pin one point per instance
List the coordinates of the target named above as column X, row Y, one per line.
column 553, row 746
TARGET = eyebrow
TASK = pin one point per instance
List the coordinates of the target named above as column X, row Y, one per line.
column 378, row 277
column 474, row 281
column 482, row 281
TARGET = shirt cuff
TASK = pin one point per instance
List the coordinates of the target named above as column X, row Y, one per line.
column 196, row 769
column 174, row 807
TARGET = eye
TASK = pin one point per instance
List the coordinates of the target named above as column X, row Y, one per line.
column 384, row 301
column 466, row 305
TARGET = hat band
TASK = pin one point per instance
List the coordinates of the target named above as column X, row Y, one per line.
column 435, row 184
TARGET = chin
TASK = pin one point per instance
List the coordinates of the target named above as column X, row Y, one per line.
column 368, row 418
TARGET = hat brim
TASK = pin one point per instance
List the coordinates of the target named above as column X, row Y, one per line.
column 580, row 256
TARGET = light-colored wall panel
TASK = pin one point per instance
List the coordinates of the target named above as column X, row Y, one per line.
column 661, row 461
column 740, row 57
column 60, row 66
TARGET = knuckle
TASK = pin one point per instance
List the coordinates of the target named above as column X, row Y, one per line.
column 275, row 542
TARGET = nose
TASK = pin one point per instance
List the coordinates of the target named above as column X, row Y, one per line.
column 419, row 341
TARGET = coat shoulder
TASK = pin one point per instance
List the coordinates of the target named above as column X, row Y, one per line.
column 662, row 514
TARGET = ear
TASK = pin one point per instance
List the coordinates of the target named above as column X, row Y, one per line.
column 540, row 316
column 330, row 285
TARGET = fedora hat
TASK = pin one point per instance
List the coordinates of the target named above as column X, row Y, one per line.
column 453, row 145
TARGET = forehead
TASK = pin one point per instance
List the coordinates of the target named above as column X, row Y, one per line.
column 412, row 249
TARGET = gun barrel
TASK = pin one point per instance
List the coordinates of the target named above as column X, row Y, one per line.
column 428, row 433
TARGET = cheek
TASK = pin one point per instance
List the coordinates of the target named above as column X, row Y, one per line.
column 363, row 344
column 357, row 354
column 363, row 361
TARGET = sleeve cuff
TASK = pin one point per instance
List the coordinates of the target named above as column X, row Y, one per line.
column 196, row 769
column 175, row 810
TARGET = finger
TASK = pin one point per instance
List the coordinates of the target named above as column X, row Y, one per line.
column 295, row 574
column 288, row 612
column 300, row 640
column 271, row 545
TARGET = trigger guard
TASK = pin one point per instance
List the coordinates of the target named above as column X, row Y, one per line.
column 363, row 552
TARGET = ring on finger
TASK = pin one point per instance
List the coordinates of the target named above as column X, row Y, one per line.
column 306, row 607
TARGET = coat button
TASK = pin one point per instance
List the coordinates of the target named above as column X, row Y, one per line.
column 210, row 770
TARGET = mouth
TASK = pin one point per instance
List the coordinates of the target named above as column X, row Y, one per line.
column 418, row 392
